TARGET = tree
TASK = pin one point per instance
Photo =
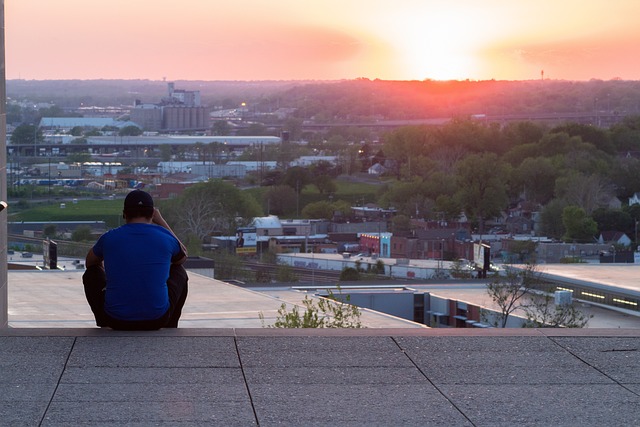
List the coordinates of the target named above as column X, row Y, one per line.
column 535, row 178
column 585, row 191
column 405, row 143
column 280, row 199
column 208, row 207
column 76, row 131
column 130, row 130
column 551, row 219
column 54, row 111
column 50, row 230
column 625, row 177
column 507, row 291
column 294, row 127
column 520, row 133
column 482, row 182
column 579, row 227
column 26, row 134
column 448, row 207
column 588, row 133
column 14, row 113
column 221, row 128
column 322, row 209
column 613, row 220
column 325, row 184
column 297, row 178
column 542, row 312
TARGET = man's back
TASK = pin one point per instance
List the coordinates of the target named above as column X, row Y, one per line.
column 134, row 278
column 137, row 258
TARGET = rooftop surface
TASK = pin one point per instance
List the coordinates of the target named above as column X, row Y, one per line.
column 222, row 368
column 55, row 299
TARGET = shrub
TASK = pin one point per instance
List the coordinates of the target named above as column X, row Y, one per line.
column 329, row 312
column 349, row 274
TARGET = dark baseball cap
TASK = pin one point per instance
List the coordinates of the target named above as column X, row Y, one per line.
column 138, row 198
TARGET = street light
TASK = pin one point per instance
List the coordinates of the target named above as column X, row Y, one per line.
column 613, row 250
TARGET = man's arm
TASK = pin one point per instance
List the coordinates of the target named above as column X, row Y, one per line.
column 92, row 259
column 159, row 220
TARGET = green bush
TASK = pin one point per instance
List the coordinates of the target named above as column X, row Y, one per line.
column 284, row 273
column 81, row 233
column 329, row 312
column 349, row 274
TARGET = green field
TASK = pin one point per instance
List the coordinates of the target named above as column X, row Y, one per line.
column 353, row 192
column 109, row 211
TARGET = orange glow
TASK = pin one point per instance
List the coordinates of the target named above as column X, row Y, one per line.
column 330, row 39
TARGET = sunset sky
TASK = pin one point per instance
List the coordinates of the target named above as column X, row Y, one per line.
column 322, row 39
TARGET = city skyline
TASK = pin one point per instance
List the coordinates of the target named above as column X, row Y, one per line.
column 322, row 40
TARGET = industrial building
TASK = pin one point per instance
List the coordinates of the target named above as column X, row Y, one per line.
column 179, row 111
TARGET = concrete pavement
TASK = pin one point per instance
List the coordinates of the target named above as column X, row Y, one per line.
column 55, row 299
column 372, row 377
column 221, row 368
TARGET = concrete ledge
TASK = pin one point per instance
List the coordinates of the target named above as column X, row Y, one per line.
column 279, row 332
column 319, row 377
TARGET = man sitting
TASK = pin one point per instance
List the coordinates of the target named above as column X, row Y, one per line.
column 134, row 278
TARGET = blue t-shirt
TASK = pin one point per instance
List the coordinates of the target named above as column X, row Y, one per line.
column 137, row 258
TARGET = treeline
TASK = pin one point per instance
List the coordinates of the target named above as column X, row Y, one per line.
column 578, row 177
column 352, row 101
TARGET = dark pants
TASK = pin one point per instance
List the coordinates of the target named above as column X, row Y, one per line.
column 95, row 282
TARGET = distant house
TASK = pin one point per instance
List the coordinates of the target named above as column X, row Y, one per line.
column 614, row 238
column 377, row 169
column 519, row 225
column 614, row 203
column 635, row 199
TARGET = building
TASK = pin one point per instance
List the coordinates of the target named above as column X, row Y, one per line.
column 252, row 166
column 68, row 123
column 179, row 111
column 305, row 161
column 614, row 238
column 147, row 116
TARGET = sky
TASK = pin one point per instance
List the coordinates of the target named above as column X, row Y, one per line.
column 322, row 39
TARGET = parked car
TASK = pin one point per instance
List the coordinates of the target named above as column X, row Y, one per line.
column 26, row 255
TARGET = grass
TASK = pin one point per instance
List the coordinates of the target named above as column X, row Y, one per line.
column 353, row 192
column 109, row 211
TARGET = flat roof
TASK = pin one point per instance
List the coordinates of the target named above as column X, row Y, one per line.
column 55, row 299
column 609, row 277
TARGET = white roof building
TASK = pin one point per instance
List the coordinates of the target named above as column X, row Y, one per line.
column 309, row 160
